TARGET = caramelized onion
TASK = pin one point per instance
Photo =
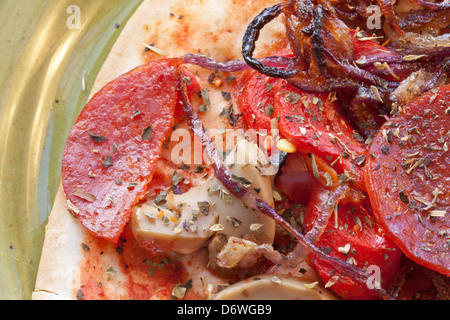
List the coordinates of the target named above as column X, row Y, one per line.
column 387, row 9
column 445, row 4
column 420, row 82
column 438, row 284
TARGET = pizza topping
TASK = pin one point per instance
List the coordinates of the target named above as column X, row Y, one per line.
column 351, row 233
column 92, row 162
column 179, row 224
column 183, row 223
column 97, row 138
column 237, row 218
column 331, row 56
column 274, row 287
column 253, row 201
column 147, row 133
column 255, row 101
column 109, row 160
column 411, row 180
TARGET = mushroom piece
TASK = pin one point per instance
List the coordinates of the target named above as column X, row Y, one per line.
column 246, row 163
column 184, row 223
column 274, row 287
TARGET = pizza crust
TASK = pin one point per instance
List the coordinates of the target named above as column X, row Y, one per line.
column 214, row 28
column 59, row 271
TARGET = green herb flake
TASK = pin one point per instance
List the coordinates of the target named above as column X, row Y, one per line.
column 292, row 97
column 199, row 168
column 187, row 80
column 230, row 78
column 234, row 221
column 226, row 96
column 184, row 167
column 205, row 95
column 403, row 197
column 108, row 162
column 385, row 149
column 204, row 207
column 110, row 272
column 314, row 167
column 227, row 113
column 97, row 138
column 360, row 160
column 80, row 295
column 176, row 178
column 147, row 133
column 269, row 110
column 241, row 180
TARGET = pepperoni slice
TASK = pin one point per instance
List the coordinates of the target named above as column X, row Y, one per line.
column 112, row 149
column 352, row 234
column 314, row 123
column 408, row 179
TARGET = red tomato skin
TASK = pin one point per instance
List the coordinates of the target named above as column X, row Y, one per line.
column 314, row 123
column 255, row 95
column 367, row 247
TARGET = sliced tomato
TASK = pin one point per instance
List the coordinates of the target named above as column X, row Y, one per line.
column 408, row 179
column 255, row 93
column 352, row 234
column 314, row 123
column 295, row 179
column 112, row 149
column 255, row 96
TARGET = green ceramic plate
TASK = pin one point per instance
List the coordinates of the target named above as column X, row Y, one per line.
column 47, row 48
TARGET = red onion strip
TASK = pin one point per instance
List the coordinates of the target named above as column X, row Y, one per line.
column 326, row 211
column 233, row 65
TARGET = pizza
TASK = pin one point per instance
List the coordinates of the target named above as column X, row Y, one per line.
column 260, row 150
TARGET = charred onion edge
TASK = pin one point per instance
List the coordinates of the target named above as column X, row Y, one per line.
column 251, row 37
column 317, row 40
column 257, row 204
